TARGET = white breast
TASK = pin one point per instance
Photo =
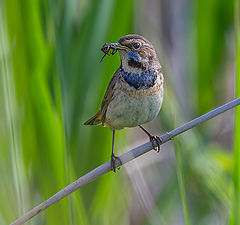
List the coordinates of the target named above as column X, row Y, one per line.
column 130, row 110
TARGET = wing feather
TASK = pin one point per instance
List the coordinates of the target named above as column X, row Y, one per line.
column 109, row 95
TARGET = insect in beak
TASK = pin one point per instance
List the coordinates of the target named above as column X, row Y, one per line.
column 111, row 49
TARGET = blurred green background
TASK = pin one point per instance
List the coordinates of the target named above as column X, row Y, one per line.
column 52, row 81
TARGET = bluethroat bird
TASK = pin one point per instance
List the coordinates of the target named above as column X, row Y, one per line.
column 135, row 93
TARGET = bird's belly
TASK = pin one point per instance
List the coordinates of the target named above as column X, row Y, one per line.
column 130, row 111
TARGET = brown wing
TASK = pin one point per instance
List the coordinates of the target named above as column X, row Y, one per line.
column 108, row 95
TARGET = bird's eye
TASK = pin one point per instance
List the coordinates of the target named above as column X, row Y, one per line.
column 136, row 45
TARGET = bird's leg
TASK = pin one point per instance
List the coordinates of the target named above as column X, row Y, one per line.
column 152, row 139
column 113, row 157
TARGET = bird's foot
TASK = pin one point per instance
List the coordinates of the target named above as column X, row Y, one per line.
column 113, row 161
column 158, row 140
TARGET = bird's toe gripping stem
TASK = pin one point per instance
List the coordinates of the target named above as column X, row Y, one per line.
column 113, row 161
column 158, row 140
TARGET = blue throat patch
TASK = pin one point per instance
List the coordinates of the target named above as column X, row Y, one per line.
column 143, row 80
column 134, row 60
column 134, row 56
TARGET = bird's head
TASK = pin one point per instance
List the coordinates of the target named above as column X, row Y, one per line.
column 137, row 53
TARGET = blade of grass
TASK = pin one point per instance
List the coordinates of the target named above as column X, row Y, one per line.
column 181, row 181
column 235, row 219
column 13, row 120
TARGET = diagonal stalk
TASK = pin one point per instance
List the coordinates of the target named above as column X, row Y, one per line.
column 126, row 157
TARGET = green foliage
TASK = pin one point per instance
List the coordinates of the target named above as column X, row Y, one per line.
column 235, row 215
column 212, row 19
column 181, row 181
column 52, row 81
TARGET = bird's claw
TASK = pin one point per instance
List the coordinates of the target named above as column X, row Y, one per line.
column 113, row 160
column 158, row 140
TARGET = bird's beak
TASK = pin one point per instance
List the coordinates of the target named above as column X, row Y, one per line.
column 118, row 46
column 112, row 48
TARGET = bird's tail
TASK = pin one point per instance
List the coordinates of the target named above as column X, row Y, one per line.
column 95, row 120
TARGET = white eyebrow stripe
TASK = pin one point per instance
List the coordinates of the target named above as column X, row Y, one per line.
column 147, row 45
